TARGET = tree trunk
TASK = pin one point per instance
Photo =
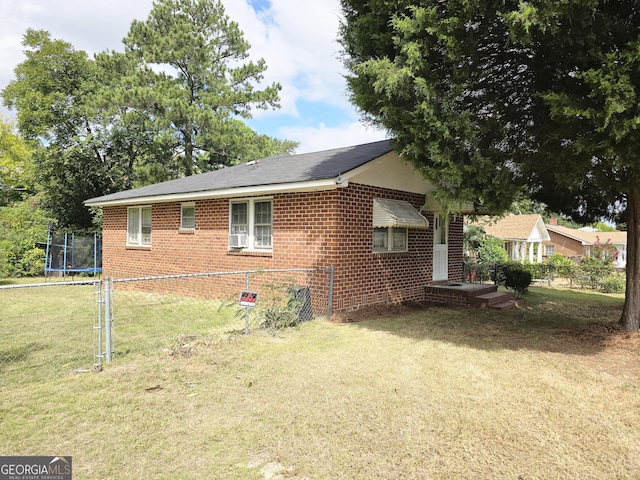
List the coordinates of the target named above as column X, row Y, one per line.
column 631, row 313
column 188, row 151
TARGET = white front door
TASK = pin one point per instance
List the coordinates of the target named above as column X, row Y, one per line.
column 440, row 248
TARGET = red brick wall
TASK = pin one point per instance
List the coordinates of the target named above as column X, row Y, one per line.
column 565, row 246
column 364, row 278
column 309, row 230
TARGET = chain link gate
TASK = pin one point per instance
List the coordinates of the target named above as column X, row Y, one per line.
column 49, row 329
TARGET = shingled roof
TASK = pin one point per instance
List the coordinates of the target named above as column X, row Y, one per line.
column 275, row 170
column 589, row 238
column 517, row 228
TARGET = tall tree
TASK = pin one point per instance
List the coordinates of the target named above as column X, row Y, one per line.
column 447, row 82
column 589, row 83
column 76, row 153
column 499, row 97
column 172, row 104
column 193, row 71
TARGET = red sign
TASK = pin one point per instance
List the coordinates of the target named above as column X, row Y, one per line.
column 248, row 299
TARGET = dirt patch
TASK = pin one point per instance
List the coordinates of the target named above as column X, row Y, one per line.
column 610, row 335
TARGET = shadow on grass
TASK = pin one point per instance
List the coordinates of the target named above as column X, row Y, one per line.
column 563, row 321
column 19, row 354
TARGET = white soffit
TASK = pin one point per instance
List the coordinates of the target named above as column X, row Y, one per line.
column 396, row 213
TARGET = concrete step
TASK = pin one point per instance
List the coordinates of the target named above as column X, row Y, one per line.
column 508, row 305
column 492, row 298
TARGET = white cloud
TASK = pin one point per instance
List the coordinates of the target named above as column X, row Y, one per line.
column 324, row 137
column 298, row 42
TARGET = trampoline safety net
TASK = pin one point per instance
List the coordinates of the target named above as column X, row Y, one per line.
column 70, row 253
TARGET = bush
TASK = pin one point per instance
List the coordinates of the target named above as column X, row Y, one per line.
column 560, row 266
column 491, row 251
column 615, row 283
column 281, row 308
column 32, row 263
column 22, row 224
column 516, row 278
column 591, row 272
column 537, row 270
column 477, row 272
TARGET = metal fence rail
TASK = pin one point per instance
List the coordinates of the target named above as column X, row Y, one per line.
column 165, row 313
column 48, row 329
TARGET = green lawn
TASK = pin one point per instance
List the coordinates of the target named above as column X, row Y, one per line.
column 551, row 390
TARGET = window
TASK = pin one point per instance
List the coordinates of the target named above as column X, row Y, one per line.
column 391, row 222
column 262, row 222
column 389, row 239
column 239, row 218
column 188, row 216
column 251, row 224
column 440, row 227
column 549, row 250
column 139, row 226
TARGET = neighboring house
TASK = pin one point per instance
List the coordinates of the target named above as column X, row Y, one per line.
column 578, row 243
column 522, row 235
column 358, row 209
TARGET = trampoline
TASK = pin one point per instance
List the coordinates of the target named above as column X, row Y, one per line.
column 71, row 254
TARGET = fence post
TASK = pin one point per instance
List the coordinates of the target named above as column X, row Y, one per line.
column 99, row 353
column 330, row 309
column 107, row 317
column 246, row 309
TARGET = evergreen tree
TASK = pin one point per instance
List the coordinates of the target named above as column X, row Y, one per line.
column 492, row 99
column 192, row 72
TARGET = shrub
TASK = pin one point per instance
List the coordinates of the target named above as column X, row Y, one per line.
column 281, row 308
column 477, row 272
column 591, row 272
column 516, row 278
column 276, row 317
column 22, row 224
column 32, row 263
column 491, row 251
column 607, row 252
column 537, row 270
column 615, row 283
column 559, row 266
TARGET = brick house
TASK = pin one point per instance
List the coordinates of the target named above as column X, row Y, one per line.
column 358, row 209
column 577, row 243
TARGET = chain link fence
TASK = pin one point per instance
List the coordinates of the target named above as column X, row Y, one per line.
column 174, row 313
column 48, row 329
column 57, row 328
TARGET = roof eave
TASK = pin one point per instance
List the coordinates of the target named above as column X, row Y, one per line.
column 310, row 186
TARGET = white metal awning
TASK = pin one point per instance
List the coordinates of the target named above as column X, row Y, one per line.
column 396, row 213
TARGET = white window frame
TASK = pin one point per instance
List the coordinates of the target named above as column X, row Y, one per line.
column 391, row 236
column 135, row 233
column 251, row 226
column 549, row 250
column 190, row 205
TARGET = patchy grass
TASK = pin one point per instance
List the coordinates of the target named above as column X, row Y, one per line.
column 551, row 390
column 45, row 329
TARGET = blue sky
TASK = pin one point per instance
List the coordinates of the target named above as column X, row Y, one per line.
column 296, row 38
